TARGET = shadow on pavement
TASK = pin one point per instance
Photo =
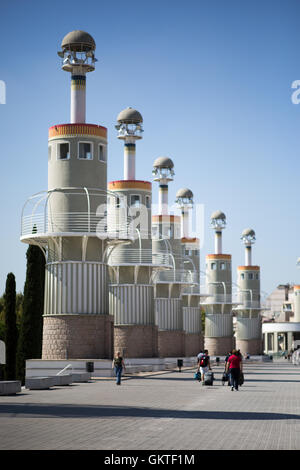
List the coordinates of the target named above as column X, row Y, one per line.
column 106, row 412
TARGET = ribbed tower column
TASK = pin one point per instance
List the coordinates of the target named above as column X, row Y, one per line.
column 218, row 305
column 248, row 318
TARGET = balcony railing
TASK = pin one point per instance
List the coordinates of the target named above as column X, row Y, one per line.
column 176, row 276
column 135, row 256
column 40, row 220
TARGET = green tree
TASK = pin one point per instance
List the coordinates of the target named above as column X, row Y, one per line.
column 31, row 326
column 11, row 333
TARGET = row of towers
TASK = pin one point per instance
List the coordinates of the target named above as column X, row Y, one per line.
column 117, row 276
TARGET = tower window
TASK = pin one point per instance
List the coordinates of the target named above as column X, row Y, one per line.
column 242, row 276
column 85, row 151
column 250, row 276
column 135, row 200
column 223, row 266
column 213, row 266
column 148, row 202
column 102, row 153
column 63, row 151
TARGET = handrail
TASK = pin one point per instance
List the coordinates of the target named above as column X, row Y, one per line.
column 61, row 372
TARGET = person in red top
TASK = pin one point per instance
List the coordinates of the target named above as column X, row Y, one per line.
column 234, row 367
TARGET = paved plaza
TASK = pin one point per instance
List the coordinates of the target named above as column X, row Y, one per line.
column 159, row 411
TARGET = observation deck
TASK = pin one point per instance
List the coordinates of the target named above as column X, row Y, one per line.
column 71, row 212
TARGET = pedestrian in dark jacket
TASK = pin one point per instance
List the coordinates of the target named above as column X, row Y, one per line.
column 117, row 365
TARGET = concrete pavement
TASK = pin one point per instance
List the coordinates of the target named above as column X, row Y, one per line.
column 168, row 410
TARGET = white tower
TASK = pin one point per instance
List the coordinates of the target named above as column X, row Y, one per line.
column 192, row 324
column 218, row 306
column 78, row 58
column 129, row 129
column 248, row 319
column 163, row 173
column 68, row 222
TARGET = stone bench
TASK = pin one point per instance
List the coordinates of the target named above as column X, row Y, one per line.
column 81, row 376
column 64, row 379
column 39, row 383
column 10, row 387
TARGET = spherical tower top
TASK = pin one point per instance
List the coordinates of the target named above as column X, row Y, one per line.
column 163, row 162
column 163, row 170
column 129, row 124
column 218, row 220
column 184, row 197
column 78, row 41
column 184, row 193
column 130, row 116
column 78, row 48
column 248, row 232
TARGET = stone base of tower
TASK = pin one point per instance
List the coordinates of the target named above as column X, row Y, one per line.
column 77, row 336
column 135, row 340
column 252, row 346
column 171, row 343
column 219, row 346
column 194, row 343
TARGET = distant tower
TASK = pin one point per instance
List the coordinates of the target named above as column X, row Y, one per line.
column 248, row 319
column 166, row 232
column 66, row 222
column 78, row 58
column 218, row 306
column 190, row 293
column 131, row 289
column 129, row 129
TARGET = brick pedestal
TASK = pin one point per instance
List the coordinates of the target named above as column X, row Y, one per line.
column 251, row 346
column 171, row 343
column 194, row 343
column 219, row 346
column 135, row 340
column 77, row 336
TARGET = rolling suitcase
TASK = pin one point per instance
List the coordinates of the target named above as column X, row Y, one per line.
column 208, row 378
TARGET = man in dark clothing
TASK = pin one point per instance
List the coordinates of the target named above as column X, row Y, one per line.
column 234, row 367
column 118, row 364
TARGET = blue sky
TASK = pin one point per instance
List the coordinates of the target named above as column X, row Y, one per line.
column 212, row 80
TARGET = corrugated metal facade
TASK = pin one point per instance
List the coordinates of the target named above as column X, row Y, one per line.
column 76, row 287
column 131, row 304
column 248, row 328
column 168, row 314
column 217, row 325
column 191, row 319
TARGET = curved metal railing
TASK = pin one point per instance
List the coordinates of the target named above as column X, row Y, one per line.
column 39, row 218
column 135, row 256
column 175, row 275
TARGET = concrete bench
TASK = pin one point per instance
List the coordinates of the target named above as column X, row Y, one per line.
column 39, row 383
column 64, row 379
column 81, row 376
column 10, row 387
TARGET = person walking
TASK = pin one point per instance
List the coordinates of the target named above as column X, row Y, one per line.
column 234, row 367
column 204, row 364
column 117, row 365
